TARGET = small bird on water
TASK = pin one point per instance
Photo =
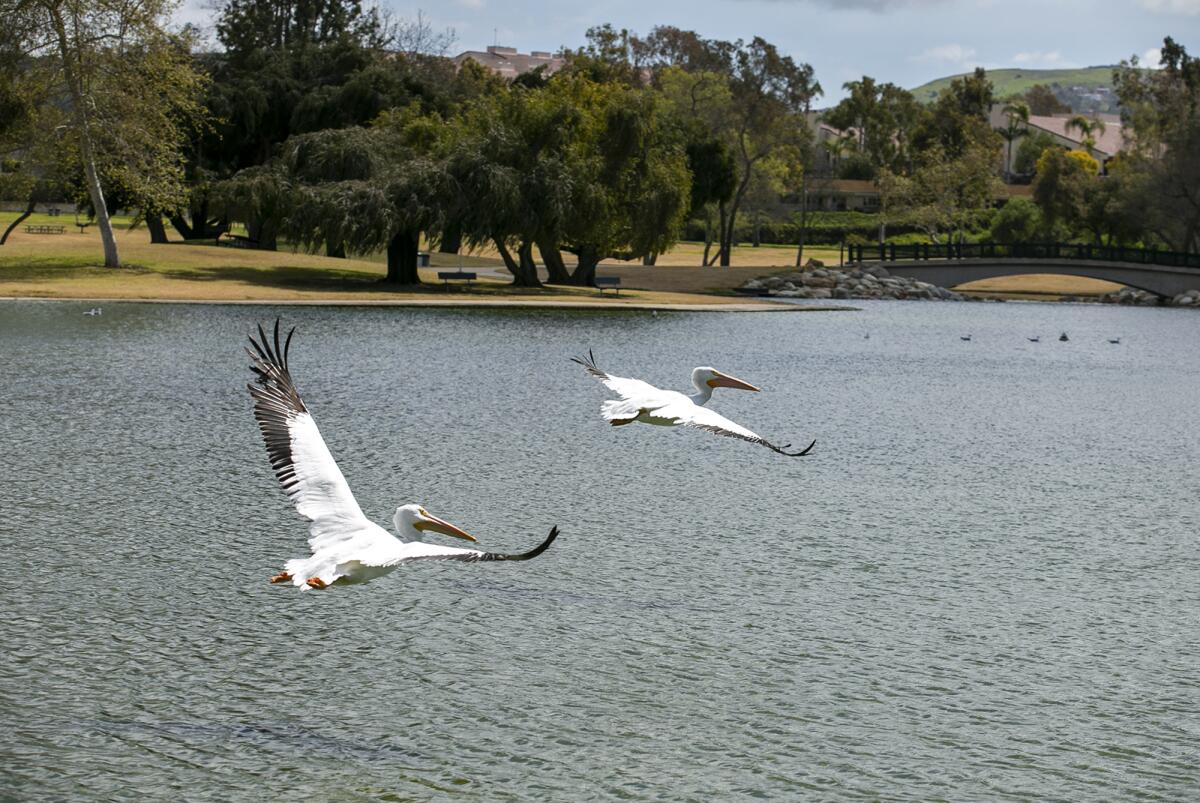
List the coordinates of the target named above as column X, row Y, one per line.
column 965, row 337
column 1037, row 339
column 1114, row 340
column 1063, row 337
column 94, row 311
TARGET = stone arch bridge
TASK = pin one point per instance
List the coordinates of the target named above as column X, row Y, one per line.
column 1164, row 273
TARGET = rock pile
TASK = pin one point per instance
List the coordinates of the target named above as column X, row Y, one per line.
column 1128, row 295
column 1189, row 299
column 873, row 281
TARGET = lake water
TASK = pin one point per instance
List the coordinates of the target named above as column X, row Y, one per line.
column 983, row 583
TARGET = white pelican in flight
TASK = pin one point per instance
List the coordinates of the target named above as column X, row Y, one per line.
column 346, row 546
column 641, row 401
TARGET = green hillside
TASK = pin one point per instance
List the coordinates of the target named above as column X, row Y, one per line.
column 1095, row 83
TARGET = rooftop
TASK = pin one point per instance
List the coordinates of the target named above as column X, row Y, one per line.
column 508, row 63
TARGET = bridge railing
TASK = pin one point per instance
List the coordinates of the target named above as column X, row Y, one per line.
column 890, row 252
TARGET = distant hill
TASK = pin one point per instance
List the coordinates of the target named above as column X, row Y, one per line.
column 1089, row 89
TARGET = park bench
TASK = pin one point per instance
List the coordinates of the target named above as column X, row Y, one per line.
column 448, row 276
column 43, row 229
column 608, row 281
column 236, row 241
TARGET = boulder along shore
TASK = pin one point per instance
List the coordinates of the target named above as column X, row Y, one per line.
column 874, row 281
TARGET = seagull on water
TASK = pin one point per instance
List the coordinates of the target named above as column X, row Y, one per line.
column 346, row 546
column 642, row 402
column 1037, row 339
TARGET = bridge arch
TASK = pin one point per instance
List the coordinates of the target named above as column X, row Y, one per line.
column 1161, row 280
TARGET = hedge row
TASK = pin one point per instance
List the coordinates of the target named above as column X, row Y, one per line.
column 826, row 228
column 784, row 233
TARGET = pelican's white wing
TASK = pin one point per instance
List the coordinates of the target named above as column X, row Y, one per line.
column 623, row 386
column 687, row 413
column 302, row 462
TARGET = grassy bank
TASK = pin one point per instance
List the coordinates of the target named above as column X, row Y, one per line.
column 67, row 266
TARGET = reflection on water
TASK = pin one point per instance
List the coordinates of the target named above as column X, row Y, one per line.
column 982, row 583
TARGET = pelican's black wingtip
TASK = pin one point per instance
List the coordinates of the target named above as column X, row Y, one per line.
column 783, row 449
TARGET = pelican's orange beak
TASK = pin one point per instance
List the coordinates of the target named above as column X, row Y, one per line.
column 724, row 381
column 436, row 525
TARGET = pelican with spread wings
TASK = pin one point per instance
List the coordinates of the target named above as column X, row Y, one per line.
column 642, row 402
column 346, row 546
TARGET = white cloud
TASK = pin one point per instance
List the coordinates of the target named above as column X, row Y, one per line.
column 948, row 54
column 1188, row 7
column 1049, row 60
column 471, row 4
column 1151, row 58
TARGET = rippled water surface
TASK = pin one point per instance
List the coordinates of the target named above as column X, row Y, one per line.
column 983, row 583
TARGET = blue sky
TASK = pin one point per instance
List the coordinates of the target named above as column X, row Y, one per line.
column 906, row 42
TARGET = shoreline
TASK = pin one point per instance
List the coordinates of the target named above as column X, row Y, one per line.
column 768, row 306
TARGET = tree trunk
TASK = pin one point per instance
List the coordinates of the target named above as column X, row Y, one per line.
column 263, row 233
column 757, row 240
column 402, row 258
column 802, row 228
column 527, row 275
column 509, row 262
column 585, row 271
column 28, row 211
column 181, row 225
column 727, row 254
column 522, row 268
column 451, row 240
column 650, row 258
column 553, row 260
column 87, row 153
column 726, row 233
column 338, row 250
column 154, row 224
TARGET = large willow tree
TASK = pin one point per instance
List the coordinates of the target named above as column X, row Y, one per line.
column 115, row 84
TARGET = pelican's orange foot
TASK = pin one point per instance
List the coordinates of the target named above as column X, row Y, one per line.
column 317, row 583
column 282, row 577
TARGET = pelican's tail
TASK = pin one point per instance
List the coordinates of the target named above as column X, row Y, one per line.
column 303, row 569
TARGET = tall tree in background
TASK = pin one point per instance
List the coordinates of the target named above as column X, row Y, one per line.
column 1161, row 165
column 770, row 94
column 1088, row 128
column 945, row 194
column 244, row 26
column 879, row 119
column 126, row 90
column 959, row 117
column 1042, row 101
column 363, row 190
column 1017, row 115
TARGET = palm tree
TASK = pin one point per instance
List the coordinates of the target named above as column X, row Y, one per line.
column 1086, row 128
column 1018, row 120
column 838, row 148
